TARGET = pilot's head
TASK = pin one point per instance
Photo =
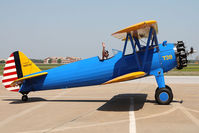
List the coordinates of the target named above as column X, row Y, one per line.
column 106, row 54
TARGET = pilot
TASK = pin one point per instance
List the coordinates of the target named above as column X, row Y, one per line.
column 105, row 53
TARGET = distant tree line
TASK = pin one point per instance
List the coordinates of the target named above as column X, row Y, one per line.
column 2, row 61
column 33, row 60
column 59, row 61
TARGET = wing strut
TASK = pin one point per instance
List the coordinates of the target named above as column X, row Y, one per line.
column 128, row 36
column 151, row 39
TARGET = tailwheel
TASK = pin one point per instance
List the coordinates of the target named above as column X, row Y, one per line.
column 164, row 96
column 24, row 98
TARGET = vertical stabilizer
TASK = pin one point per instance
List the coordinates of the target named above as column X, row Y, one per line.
column 17, row 66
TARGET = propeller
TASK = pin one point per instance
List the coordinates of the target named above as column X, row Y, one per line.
column 191, row 51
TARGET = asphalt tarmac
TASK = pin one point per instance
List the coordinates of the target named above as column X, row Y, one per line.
column 126, row 107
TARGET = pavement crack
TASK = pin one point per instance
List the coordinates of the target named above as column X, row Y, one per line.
column 28, row 110
column 68, row 122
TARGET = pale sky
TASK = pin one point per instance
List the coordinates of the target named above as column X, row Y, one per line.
column 42, row 28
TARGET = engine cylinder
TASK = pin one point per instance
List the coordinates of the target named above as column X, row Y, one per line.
column 181, row 55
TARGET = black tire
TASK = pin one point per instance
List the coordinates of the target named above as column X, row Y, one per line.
column 164, row 96
column 24, row 98
column 166, row 86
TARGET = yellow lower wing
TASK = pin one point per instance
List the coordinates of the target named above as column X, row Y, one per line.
column 126, row 77
column 19, row 81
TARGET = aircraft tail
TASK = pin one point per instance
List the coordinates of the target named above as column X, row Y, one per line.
column 16, row 67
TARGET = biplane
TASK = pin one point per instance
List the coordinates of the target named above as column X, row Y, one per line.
column 151, row 58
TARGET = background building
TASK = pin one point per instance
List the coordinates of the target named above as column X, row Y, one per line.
column 62, row 60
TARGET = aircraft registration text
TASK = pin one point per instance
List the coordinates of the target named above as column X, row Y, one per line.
column 167, row 57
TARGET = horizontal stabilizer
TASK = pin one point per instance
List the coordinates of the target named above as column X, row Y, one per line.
column 20, row 81
column 126, row 77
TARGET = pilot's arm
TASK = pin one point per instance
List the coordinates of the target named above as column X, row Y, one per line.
column 103, row 50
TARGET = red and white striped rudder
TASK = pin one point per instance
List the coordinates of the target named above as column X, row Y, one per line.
column 10, row 74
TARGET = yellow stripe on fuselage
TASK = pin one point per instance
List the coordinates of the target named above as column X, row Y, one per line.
column 126, row 77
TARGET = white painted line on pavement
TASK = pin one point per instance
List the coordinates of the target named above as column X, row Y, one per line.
column 196, row 111
column 188, row 114
column 157, row 114
column 132, row 124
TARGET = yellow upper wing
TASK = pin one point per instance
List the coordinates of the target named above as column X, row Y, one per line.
column 139, row 30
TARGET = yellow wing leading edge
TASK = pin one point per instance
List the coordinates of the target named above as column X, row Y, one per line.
column 126, row 77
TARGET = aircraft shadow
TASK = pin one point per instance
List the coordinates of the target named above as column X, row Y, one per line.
column 174, row 101
column 119, row 102
column 122, row 102
column 38, row 99
column 30, row 100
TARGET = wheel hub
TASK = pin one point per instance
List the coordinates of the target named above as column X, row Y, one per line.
column 164, row 96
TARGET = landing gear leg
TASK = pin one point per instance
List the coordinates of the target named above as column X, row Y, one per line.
column 163, row 94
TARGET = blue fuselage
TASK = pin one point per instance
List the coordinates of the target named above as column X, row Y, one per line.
column 93, row 71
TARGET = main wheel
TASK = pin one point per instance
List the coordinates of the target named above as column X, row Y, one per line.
column 24, row 98
column 163, row 96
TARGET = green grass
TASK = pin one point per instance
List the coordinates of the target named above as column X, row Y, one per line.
column 47, row 66
column 1, row 68
column 190, row 70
